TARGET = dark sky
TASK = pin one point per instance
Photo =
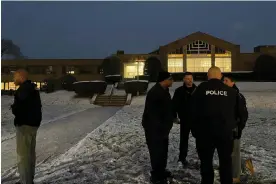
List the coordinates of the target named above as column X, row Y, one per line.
column 98, row 29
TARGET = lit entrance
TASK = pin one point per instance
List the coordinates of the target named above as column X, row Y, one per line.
column 133, row 69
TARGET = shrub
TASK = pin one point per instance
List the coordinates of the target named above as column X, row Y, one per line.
column 51, row 85
column 265, row 67
column 67, row 82
column 110, row 66
column 135, row 86
column 152, row 68
column 89, row 88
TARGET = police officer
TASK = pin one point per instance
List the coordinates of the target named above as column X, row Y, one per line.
column 157, row 122
column 182, row 107
column 214, row 109
column 236, row 157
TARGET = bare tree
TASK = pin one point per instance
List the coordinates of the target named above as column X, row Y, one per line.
column 10, row 49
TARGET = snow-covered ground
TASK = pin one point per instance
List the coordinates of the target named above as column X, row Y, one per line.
column 55, row 105
column 116, row 151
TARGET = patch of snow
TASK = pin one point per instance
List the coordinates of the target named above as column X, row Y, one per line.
column 116, row 151
column 54, row 105
column 88, row 81
column 137, row 81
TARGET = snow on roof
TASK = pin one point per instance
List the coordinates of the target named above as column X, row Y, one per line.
column 137, row 81
column 88, row 81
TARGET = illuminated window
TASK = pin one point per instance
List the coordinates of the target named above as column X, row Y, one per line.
column 131, row 69
column 224, row 63
column 38, row 85
column 70, row 70
column 2, row 85
column 12, row 86
column 6, row 86
column 198, row 64
column 175, row 63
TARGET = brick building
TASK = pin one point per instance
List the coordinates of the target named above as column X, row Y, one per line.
column 196, row 52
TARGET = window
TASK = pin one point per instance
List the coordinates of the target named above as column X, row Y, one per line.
column 70, row 70
column 198, row 64
column 49, row 70
column 37, row 69
column 224, row 63
column 131, row 69
column 89, row 69
column 2, row 85
column 6, row 86
column 11, row 86
column 175, row 63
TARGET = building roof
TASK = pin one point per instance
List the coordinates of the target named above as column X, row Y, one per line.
column 198, row 36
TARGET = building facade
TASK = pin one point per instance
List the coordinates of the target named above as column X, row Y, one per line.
column 196, row 52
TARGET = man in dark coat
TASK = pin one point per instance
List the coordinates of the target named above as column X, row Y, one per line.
column 236, row 156
column 182, row 106
column 157, row 122
column 215, row 108
column 27, row 111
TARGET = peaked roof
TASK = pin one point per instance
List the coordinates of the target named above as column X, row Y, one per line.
column 199, row 36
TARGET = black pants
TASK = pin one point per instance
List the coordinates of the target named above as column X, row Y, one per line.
column 206, row 148
column 184, row 140
column 158, row 150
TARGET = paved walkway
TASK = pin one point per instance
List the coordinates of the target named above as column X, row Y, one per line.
column 58, row 136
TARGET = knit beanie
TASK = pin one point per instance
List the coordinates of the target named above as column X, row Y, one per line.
column 163, row 76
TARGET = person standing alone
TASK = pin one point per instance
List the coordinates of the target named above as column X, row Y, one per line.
column 182, row 107
column 28, row 115
column 157, row 122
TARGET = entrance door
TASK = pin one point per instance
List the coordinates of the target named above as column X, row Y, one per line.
column 133, row 69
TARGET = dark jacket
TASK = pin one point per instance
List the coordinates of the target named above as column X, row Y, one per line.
column 215, row 108
column 158, row 115
column 27, row 105
column 182, row 102
column 241, row 120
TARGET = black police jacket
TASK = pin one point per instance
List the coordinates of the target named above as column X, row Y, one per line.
column 215, row 108
column 158, row 114
column 27, row 105
column 182, row 102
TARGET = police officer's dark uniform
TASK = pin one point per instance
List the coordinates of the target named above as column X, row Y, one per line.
column 215, row 109
column 182, row 106
column 157, row 122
